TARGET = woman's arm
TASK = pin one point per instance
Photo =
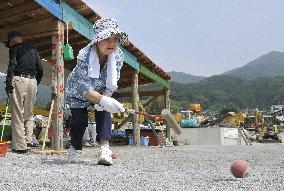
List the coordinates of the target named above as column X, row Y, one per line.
column 94, row 96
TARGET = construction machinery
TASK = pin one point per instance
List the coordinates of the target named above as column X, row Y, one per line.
column 189, row 120
column 192, row 117
column 264, row 130
column 234, row 119
column 195, row 107
column 223, row 120
column 277, row 112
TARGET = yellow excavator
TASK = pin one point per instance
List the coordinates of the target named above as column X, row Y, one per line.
column 234, row 119
column 265, row 131
column 195, row 107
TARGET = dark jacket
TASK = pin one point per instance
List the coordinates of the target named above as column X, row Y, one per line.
column 24, row 59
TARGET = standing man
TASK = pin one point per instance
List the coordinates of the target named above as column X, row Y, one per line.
column 23, row 75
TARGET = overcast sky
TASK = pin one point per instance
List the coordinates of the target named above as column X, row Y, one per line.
column 199, row 37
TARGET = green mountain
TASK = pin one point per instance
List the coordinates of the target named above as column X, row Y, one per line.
column 184, row 78
column 221, row 91
column 269, row 65
column 260, row 83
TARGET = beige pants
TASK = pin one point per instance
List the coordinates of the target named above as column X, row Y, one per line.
column 22, row 101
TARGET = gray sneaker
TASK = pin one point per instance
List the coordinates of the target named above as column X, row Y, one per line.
column 87, row 144
column 73, row 154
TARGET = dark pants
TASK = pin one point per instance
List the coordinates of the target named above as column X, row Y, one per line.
column 80, row 122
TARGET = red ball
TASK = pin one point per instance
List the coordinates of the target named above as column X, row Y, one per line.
column 240, row 168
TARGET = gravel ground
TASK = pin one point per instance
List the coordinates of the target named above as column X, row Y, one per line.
column 186, row 167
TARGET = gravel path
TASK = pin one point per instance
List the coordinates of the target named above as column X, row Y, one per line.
column 148, row 168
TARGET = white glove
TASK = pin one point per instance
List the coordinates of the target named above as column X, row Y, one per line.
column 111, row 105
column 98, row 107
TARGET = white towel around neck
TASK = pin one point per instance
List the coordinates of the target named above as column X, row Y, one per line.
column 94, row 68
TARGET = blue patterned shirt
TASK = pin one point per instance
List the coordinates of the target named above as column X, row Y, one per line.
column 79, row 83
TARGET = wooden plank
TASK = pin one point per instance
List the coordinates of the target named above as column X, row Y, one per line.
column 130, row 59
column 52, row 7
column 49, row 152
column 19, row 10
column 57, row 87
column 39, row 37
column 79, row 23
column 124, row 85
column 142, row 93
column 150, row 101
column 154, row 76
column 73, row 12
column 167, row 106
column 127, row 83
column 145, row 81
column 135, row 117
column 44, row 24
column 126, row 74
column 47, row 47
column 47, row 125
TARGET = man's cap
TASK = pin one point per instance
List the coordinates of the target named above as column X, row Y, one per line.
column 11, row 35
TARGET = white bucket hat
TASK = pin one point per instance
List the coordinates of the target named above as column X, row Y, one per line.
column 108, row 27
